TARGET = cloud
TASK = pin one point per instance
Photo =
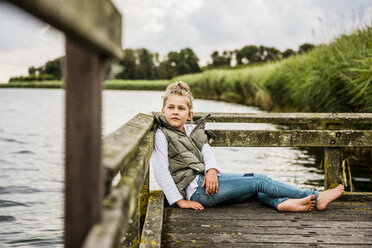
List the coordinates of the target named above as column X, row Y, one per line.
column 206, row 26
column 203, row 25
column 25, row 42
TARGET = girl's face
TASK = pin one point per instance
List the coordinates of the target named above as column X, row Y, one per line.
column 176, row 111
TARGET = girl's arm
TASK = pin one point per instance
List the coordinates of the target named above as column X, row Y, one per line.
column 160, row 164
column 212, row 170
column 209, row 159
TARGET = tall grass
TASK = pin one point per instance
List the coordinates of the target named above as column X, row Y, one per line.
column 331, row 78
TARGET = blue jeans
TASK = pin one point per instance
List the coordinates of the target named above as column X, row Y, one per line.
column 237, row 188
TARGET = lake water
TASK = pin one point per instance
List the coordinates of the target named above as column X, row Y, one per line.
column 31, row 157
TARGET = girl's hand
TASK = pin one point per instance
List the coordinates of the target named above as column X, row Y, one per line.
column 190, row 204
column 211, row 182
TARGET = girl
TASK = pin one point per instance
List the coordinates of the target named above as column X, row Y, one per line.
column 187, row 171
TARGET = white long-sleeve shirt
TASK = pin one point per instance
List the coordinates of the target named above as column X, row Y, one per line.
column 160, row 165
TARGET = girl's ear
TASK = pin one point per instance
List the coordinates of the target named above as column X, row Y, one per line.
column 191, row 114
column 162, row 111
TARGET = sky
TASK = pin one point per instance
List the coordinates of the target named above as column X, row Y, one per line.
column 203, row 25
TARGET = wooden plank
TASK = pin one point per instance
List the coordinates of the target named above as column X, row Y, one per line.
column 204, row 244
column 133, row 176
column 289, row 118
column 121, row 146
column 264, row 230
column 360, row 213
column 332, row 167
column 152, row 229
column 220, row 224
column 293, row 138
column 270, row 238
column 356, row 197
column 109, row 232
column 144, row 198
column 94, row 24
column 121, row 203
column 84, row 187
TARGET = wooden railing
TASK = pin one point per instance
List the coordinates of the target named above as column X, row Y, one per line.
column 332, row 131
column 127, row 151
column 126, row 154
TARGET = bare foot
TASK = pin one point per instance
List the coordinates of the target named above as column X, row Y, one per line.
column 327, row 196
column 297, row 205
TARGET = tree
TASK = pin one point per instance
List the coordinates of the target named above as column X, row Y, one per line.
column 269, row 53
column 188, row 62
column 53, row 67
column 129, row 65
column 32, row 71
column 224, row 59
column 247, row 54
column 288, row 52
column 306, row 47
column 146, row 66
column 179, row 63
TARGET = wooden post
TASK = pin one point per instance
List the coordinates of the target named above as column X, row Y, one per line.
column 144, row 197
column 84, row 72
column 332, row 162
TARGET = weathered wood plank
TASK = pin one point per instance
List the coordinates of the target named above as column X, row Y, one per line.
column 356, row 197
column 94, row 24
column 293, row 138
column 289, row 118
column 120, row 204
column 152, row 229
column 133, row 176
column 121, row 146
column 361, row 213
column 204, row 244
column 332, row 167
column 264, row 230
column 83, row 174
column 271, row 238
column 269, row 223
column 114, row 224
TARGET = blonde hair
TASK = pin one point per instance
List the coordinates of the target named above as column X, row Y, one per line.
column 178, row 88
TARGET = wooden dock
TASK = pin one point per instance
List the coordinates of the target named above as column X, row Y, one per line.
column 346, row 223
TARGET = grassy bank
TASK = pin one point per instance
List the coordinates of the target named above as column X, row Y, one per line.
column 331, row 78
column 109, row 84
column 33, row 84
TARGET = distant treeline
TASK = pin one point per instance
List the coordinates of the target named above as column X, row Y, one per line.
column 52, row 70
column 143, row 64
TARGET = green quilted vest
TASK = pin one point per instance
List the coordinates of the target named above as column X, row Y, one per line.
column 184, row 153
